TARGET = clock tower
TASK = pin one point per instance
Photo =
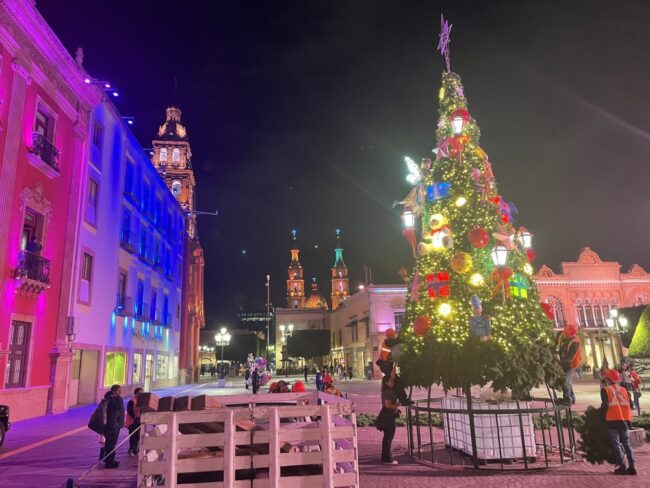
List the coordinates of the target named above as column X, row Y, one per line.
column 172, row 157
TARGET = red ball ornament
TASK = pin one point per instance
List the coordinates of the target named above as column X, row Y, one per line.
column 530, row 254
column 421, row 326
column 478, row 237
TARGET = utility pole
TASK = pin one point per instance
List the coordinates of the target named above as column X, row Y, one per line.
column 268, row 317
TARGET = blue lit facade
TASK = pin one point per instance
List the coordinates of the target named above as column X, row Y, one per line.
column 129, row 266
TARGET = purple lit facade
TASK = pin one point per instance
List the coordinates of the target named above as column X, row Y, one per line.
column 43, row 133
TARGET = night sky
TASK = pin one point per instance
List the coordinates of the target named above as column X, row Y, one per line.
column 300, row 112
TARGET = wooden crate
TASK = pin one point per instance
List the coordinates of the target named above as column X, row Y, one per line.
column 260, row 445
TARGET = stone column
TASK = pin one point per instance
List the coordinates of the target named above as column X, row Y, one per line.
column 10, row 156
column 61, row 354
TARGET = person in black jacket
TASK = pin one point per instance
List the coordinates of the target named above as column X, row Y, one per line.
column 386, row 419
column 255, row 381
column 114, row 422
column 132, row 422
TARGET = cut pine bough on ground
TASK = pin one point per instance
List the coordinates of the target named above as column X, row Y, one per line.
column 283, row 438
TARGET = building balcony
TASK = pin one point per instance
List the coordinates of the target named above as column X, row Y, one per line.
column 127, row 241
column 142, row 312
column 33, row 272
column 155, row 316
column 144, row 256
column 166, row 320
column 124, row 306
column 44, row 156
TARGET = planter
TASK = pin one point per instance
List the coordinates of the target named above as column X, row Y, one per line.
column 637, row 437
column 498, row 436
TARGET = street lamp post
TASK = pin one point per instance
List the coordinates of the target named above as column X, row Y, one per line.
column 617, row 324
column 222, row 338
column 285, row 331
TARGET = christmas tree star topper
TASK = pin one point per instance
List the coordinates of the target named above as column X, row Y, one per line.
column 443, row 44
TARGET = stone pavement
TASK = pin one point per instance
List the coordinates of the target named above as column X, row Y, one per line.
column 45, row 451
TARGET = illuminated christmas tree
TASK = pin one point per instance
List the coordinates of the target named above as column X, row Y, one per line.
column 473, row 314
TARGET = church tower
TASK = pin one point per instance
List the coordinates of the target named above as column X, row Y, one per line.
column 340, row 281
column 295, row 283
column 172, row 157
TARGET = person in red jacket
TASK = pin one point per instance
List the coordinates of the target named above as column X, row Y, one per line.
column 618, row 417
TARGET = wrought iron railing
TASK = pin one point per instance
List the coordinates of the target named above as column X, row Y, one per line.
column 31, row 265
column 124, row 305
column 45, row 150
column 156, row 316
column 128, row 240
column 142, row 311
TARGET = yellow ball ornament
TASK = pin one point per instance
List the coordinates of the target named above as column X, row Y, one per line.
column 461, row 262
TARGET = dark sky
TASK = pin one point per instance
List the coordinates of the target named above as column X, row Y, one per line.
column 300, row 113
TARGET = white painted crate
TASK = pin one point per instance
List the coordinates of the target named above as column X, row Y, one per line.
column 457, row 431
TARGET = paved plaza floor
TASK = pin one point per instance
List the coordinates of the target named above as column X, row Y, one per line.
column 45, row 451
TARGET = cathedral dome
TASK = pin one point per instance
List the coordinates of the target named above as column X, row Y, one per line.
column 315, row 300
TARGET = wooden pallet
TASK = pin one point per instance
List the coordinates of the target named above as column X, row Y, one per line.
column 271, row 440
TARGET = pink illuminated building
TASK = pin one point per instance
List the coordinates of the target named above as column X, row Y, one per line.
column 585, row 292
column 43, row 133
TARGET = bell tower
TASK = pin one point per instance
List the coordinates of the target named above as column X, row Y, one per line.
column 172, row 157
column 340, row 281
column 295, row 283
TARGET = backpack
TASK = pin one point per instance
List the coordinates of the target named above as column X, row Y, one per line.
column 97, row 422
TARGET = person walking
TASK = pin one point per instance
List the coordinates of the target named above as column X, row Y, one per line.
column 568, row 352
column 114, row 422
column 327, row 379
column 255, row 381
column 319, row 380
column 305, row 371
column 615, row 403
column 636, row 389
column 386, row 419
column 132, row 422
column 350, row 372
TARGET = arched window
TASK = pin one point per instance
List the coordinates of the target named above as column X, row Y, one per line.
column 588, row 314
column 176, row 155
column 163, row 154
column 580, row 314
column 599, row 314
column 557, row 307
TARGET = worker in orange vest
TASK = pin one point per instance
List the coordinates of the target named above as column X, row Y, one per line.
column 618, row 417
column 568, row 350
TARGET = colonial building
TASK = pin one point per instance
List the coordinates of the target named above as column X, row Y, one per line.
column 359, row 326
column 126, row 301
column 172, row 156
column 43, row 138
column 584, row 293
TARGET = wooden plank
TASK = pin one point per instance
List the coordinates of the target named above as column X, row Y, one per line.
column 229, row 452
column 171, row 452
column 181, row 403
column 274, row 447
column 343, row 455
column 191, row 417
column 156, row 467
column 259, row 461
column 345, row 479
column 205, row 402
column 200, row 440
column 248, row 426
column 327, row 447
column 301, row 458
column 158, row 443
column 148, row 402
column 166, row 404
